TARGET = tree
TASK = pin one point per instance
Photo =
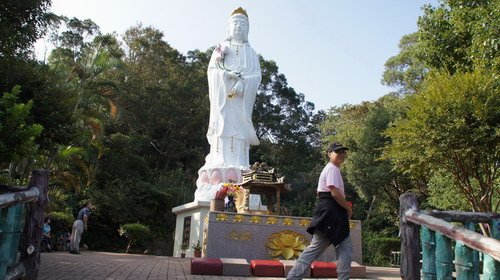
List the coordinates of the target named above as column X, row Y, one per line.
column 154, row 145
column 457, row 36
column 406, row 70
column 84, row 70
column 453, row 125
column 164, row 100
column 18, row 135
column 454, row 38
column 460, row 35
column 21, row 24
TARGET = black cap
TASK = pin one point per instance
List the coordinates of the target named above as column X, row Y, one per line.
column 333, row 147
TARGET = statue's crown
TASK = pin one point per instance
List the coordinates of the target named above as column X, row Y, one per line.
column 240, row 11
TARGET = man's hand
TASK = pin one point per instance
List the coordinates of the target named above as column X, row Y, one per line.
column 337, row 195
column 349, row 212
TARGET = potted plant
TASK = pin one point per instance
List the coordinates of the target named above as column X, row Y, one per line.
column 197, row 249
column 184, row 247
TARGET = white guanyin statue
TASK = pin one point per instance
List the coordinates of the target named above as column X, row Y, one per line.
column 233, row 78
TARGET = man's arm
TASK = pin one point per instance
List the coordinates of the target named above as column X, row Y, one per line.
column 339, row 198
column 85, row 219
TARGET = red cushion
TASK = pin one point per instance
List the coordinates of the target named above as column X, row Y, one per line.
column 266, row 268
column 206, row 266
column 323, row 269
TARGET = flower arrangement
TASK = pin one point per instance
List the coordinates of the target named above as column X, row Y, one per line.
column 221, row 193
column 232, row 189
column 220, row 53
column 227, row 189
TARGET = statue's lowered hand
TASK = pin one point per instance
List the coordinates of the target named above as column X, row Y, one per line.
column 234, row 75
column 237, row 89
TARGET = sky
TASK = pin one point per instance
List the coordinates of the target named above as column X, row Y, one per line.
column 332, row 51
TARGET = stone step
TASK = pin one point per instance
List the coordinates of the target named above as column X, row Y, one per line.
column 235, row 267
column 267, row 268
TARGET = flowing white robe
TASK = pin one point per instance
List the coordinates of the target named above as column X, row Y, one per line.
column 231, row 130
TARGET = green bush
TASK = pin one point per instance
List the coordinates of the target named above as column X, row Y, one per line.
column 377, row 249
column 136, row 233
column 62, row 217
column 60, row 221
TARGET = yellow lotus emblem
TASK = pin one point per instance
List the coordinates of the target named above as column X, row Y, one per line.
column 304, row 222
column 238, row 219
column 287, row 222
column 222, row 217
column 286, row 245
column 271, row 221
column 255, row 219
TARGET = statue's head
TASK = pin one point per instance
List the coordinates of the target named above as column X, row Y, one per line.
column 238, row 25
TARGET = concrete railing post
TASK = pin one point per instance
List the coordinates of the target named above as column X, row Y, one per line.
column 444, row 257
column 428, row 241
column 491, row 267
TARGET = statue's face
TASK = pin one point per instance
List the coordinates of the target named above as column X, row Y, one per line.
column 238, row 28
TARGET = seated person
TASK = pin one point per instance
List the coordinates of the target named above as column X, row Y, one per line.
column 46, row 234
column 63, row 239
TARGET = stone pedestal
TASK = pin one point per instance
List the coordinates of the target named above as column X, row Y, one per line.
column 252, row 236
column 247, row 236
column 189, row 225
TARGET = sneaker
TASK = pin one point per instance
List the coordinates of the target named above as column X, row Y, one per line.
column 74, row 252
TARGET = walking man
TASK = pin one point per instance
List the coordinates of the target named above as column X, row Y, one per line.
column 330, row 223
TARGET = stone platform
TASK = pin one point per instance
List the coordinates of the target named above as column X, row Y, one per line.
column 257, row 236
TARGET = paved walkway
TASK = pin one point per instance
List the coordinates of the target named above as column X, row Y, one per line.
column 113, row 266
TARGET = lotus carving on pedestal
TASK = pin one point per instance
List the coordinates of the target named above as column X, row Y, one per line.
column 286, row 245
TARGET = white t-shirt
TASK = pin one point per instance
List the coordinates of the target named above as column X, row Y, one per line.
column 330, row 177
